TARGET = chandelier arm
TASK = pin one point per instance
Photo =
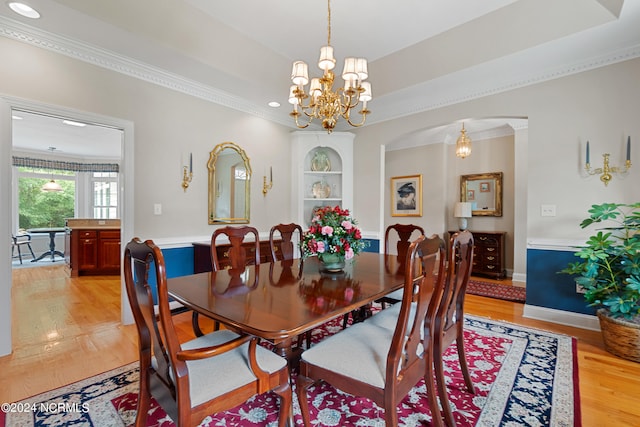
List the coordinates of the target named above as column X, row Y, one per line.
column 295, row 114
column 357, row 125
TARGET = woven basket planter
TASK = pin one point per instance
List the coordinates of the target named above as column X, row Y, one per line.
column 621, row 337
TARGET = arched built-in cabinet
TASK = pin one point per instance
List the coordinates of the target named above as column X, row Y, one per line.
column 322, row 172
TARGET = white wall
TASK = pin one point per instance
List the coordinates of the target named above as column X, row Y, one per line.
column 601, row 105
column 167, row 125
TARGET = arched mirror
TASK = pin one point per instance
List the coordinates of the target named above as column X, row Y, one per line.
column 229, row 184
column 484, row 192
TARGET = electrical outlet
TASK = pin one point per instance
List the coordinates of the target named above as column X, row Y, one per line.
column 157, row 209
column 547, row 210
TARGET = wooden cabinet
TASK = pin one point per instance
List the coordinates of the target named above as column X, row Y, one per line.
column 322, row 172
column 202, row 254
column 488, row 253
column 93, row 252
column 87, row 253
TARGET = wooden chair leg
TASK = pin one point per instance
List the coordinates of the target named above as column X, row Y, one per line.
column 464, row 366
column 432, row 396
column 195, row 324
column 442, row 386
column 302, row 384
column 285, row 416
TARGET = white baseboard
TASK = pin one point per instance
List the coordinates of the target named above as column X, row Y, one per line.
column 568, row 318
column 519, row 279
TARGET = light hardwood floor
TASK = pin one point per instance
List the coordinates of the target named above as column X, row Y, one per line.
column 66, row 329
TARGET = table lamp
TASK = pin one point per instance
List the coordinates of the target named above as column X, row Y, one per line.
column 462, row 211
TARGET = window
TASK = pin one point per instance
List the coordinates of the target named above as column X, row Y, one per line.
column 37, row 208
column 104, row 186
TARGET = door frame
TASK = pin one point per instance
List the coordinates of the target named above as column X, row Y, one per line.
column 126, row 183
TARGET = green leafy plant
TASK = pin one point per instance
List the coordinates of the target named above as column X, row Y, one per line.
column 610, row 268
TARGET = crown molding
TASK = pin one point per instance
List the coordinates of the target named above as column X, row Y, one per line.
column 130, row 67
column 459, row 87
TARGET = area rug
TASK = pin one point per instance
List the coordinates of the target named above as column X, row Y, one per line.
column 523, row 377
column 497, row 290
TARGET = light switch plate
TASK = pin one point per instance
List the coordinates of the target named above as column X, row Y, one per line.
column 547, row 210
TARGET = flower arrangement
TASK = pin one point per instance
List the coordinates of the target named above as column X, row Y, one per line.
column 332, row 233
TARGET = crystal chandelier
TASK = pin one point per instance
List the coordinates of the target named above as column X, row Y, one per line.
column 323, row 103
column 463, row 144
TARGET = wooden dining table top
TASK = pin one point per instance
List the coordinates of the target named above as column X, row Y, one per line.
column 280, row 300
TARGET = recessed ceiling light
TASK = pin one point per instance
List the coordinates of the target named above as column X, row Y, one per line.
column 72, row 123
column 274, row 104
column 24, row 10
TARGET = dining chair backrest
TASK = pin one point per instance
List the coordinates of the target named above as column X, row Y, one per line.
column 403, row 234
column 236, row 256
column 423, row 290
column 288, row 241
column 172, row 372
column 385, row 364
column 449, row 322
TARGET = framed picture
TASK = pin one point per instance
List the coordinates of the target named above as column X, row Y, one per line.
column 471, row 195
column 406, row 195
column 485, row 187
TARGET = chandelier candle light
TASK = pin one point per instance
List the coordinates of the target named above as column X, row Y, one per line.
column 605, row 171
column 323, row 102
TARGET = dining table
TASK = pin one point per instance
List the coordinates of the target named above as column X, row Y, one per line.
column 51, row 231
column 282, row 300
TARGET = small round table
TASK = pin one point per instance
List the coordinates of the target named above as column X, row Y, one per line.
column 52, row 241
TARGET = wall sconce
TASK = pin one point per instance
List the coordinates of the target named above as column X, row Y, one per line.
column 462, row 210
column 266, row 187
column 605, row 171
column 187, row 176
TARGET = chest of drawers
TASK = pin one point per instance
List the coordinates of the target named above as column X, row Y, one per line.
column 488, row 253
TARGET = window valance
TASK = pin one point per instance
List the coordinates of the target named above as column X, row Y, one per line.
column 65, row 166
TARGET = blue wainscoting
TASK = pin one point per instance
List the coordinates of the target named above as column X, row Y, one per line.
column 178, row 262
column 373, row 245
column 547, row 288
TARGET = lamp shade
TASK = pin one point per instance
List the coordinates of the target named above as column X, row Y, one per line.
column 51, row 186
column 462, row 210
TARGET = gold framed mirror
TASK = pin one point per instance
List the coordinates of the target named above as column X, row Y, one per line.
column 484, row 192
column 229, row 184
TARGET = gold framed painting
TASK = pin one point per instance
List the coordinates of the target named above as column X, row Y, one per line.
column 406, row 195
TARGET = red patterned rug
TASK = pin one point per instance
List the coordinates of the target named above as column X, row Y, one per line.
column 496, row 290
column 523, row 377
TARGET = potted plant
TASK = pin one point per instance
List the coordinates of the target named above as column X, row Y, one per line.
column 333, row 236
column 609, row 273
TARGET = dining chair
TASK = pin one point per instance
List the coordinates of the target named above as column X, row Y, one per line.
column 235, row 257
column 206, row 375
column 286, row 244
column 19, row 240
column 403, row 234
column 449, row 323
column 383, row 364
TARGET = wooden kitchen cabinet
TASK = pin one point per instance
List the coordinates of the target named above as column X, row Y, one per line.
column 93, row 252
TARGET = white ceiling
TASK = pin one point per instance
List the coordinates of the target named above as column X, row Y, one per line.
column 423, row 54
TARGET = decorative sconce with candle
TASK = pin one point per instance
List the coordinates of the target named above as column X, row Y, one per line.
column 605, row 171
column 187, row 176
column 266, row 187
